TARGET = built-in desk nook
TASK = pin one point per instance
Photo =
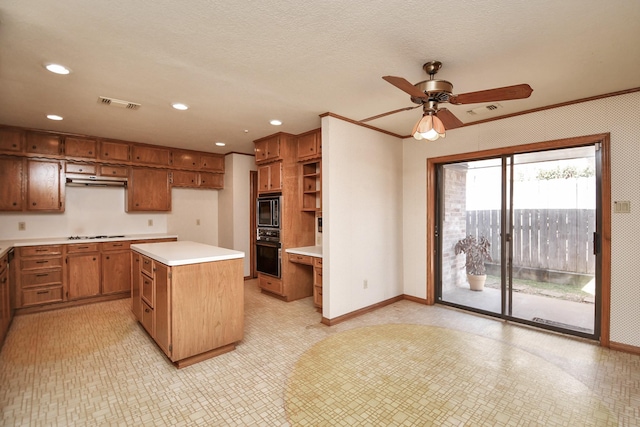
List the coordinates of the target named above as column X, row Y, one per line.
column 312, row 256
column 189, row 297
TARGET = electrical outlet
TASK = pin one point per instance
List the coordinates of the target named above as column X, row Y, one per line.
column 197, row 222
column 365, row 284
column 22, row 226
column 150, row 223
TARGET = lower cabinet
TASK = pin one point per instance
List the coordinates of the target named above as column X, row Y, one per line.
column 116, row 267
column 5, row 297
column 83, row 271
column 193, row 312
column 40, row 278
column 317, row 282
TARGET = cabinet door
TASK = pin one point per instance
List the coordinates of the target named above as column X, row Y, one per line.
column 45, row 190
column 116, row 272
column 261, row 150
column 83, row 275
column 151, row 155
column 211, row 180
column 80, row 147
column 11, row 140
column 11, row 179
column 275, row 177
column 185, row 159
column 115, row 151
column 119, row 171
column 307, row 146
column 212, row 163
column 263, row 178
column 148, row 190
column 136, row 305
column 43, row 143
column 184, row 179
column 162, row 308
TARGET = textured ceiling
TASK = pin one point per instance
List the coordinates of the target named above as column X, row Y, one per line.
column 238, row 64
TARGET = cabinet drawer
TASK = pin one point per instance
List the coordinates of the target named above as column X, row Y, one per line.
column 82, row 247
column 80, row 168
column 119, row 171
column 270, row 284
column 41, row 295
column 115, row 246
column 147, row 318
column 41, row 263
column 147, row 266
column 317, row 276
column 147, row 290
column 301, row 259
column 317, row 296
column 41, row 278
column 41, row 250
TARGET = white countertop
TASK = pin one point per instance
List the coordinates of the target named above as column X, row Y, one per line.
column 315, row 251
column 5, row 245
column 185, row 252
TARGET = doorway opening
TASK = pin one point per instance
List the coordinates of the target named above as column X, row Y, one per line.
column 537, row 217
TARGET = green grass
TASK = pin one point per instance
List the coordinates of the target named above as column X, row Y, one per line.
column 566, row 291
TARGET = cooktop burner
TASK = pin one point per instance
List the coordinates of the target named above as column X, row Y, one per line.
column 93, row 237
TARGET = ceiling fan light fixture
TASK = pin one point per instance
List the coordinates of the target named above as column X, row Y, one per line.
column 429, row 127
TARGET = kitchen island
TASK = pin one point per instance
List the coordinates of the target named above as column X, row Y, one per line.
column 189, row 297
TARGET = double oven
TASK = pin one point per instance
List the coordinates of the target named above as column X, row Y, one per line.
column 268, row 247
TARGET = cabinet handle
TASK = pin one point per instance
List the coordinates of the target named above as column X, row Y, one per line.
column 42, row 250
column 118, row 245
column 94, row 258
column 42, row 292
column 83, row 247
column 34, row 203
column 146, row 310
column 42, row 262
column 42, row 275
column 107, row 257
column 106, row 154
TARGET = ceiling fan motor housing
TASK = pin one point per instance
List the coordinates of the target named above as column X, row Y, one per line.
column 437, row 90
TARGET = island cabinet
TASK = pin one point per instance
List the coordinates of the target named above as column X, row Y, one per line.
column 191, row 298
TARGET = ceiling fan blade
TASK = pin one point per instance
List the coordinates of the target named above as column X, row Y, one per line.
column 404, row 85
column 498, row 94
column 448, row 119
column 388, row 113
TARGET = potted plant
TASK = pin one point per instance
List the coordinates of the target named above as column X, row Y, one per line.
column 476, row 252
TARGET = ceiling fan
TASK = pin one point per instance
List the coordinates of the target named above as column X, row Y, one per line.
column 430, row 93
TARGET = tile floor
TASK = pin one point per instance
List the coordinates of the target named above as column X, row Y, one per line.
column 94, row 365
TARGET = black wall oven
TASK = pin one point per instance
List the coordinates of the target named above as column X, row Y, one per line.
column 268, row 256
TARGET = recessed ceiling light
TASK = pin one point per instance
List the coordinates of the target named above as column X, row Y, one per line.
column 57, row 68
column 179, row 106
column 220, row 144
column 54, row 117
column 275, row 122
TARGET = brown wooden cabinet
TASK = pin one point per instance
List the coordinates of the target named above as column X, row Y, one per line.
column 117, row 171
column 190, row 179
column 83, row 270
column 80, row 147
column 40, row 278
column 11, row 140
column 136, row 271
column 43, row 143
column 45, row 186
column 317, row 282
column 113, row 151
column 151, row 155
column 162, row 307
column 12, row 178
column 5, row 297
column 270, row 178
column 80, row 168
column 116, row 267
column 309, row 145
column 185, row 159
column 268, row 149
column 212, row 162
column 148, row 190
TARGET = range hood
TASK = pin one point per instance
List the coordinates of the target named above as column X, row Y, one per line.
column 95, row 181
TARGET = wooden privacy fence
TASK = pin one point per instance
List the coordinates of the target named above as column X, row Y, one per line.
column 548, row 239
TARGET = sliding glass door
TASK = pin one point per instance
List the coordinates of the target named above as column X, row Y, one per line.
column 525, row 225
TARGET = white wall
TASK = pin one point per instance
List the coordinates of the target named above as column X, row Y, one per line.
column 88, row 211
column 362, row 210
column 190, row 205
column 618, row 115
column 235, row 206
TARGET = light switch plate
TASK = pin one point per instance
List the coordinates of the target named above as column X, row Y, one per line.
column 622, row 206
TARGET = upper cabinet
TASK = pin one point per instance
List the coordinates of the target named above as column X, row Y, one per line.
column 148, row 190
column 212, row 162
column 11, row 140
column 43, row 143
column 45, row 186
column 309, row 145
column 185, row 159
column 114, row 151
column 80, row 147
column 12, row 178
column 151, row 155
column 267, row 149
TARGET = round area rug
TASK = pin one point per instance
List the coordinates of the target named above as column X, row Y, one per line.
column 406, row 375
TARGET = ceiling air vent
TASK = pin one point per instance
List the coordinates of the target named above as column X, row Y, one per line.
column 485, row 109
column 118, row 103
